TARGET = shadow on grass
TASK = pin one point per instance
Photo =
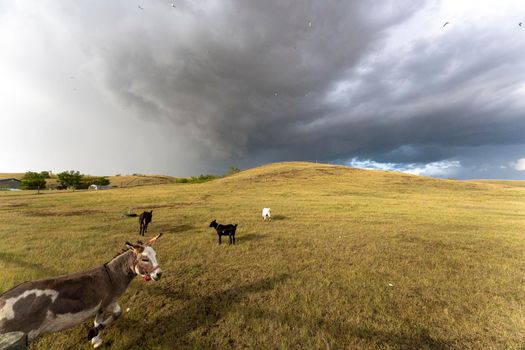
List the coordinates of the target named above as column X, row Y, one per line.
column 171, row 331
column 205, row 312
column 17, row 260
column 418, row 339
column 248, row 237
column 175, row 229
column 279, row 217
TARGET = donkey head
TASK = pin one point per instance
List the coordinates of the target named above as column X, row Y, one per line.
column 145, row 259
column 213, row 223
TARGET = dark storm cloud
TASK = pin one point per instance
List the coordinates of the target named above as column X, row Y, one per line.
column 248, row 82
column 256, row 77
column 245, row 77
column 441, row 95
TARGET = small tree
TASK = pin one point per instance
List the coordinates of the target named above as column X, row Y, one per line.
column 34, row 181
column 233, row 170
column 70, row 179
column 101, row 181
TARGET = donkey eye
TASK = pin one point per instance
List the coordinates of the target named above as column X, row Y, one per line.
column 145, row 259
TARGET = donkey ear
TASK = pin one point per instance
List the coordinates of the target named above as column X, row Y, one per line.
column 154, row 239
column 130, row 245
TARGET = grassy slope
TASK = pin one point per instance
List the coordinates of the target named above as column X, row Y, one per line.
column 503, row 183
column 130, row 180
column 353, row 259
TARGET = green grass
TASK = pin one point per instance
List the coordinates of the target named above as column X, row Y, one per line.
column 353, row 259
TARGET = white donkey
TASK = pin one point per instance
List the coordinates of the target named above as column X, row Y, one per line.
column 59, row 303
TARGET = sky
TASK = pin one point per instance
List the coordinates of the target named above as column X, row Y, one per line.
column 433, row 88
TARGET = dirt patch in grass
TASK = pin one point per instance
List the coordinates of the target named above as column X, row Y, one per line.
column 156, row 206
column 81, row 212
column 166, row 205
column 15, row 205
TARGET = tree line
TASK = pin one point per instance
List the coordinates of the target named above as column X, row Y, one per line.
column 75, row 180
column 66, row 179
column 208, row 177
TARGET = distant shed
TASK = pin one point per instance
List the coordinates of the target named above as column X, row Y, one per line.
column 8, row 184
column 99, row 187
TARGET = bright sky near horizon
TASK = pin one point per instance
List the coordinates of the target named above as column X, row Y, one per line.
column 434, row 88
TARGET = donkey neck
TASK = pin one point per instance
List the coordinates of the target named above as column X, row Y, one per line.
column 120, row 270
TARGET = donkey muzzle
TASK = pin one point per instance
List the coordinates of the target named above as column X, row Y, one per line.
column 156, row 274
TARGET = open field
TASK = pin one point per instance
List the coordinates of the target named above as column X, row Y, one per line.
column 353, row 259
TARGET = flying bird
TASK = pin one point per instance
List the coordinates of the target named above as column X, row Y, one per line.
column 520, row 24
column 309, row 24
column 445, row 24
column 140, row 7
column 173, row 5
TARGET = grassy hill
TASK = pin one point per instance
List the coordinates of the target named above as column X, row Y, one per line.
column 355, row 259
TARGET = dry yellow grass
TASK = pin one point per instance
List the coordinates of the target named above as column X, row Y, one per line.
column 503, row 183
column 132, row 180
column 11, row 175
column 353, row 259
